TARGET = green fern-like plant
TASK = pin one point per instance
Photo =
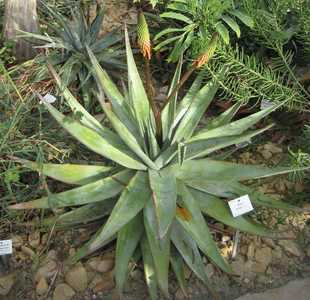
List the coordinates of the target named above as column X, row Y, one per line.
column 153, row 197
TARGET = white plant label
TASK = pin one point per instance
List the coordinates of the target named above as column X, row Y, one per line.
column 240, row 206
column 48, row 98
column 6, row 247
column 265, row 104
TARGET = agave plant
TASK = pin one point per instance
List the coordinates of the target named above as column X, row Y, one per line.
column 197, row 20
column 154, row 198
column 72, row 36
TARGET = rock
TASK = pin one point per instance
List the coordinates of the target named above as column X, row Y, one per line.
column 29, row 252
column 63, row 292
column 34, row 239
column 105, row 284
column 101, row 266
column 179, row 295
column 251, row 251
column 225, row 238
column 297, row 289
column 291, row 247
column 47, row 270
column 238, row 266
column 259, row 267
column 187, row 272
column 6, row 284
column 42, row 287
column 269, row 242
column 273, row 148
column 17, row 241
column 277, row 253
column 266, row 154
column 209, row 270
column 308, row 251
column 136, row 274
column 77, row 278
column 263, row 255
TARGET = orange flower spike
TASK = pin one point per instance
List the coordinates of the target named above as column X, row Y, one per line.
column 144, row 40
column 183, row 213
column 208, row 54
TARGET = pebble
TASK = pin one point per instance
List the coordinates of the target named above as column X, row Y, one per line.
column 101, row 266
column 105, row 284
column 63, row 292
column 6, row 284
column 17, row 241
column 34, row 239
column 251, row 251
column 291, row 247
column 42, row 287
column 263, row 255
column 29, row 252
column 76, row 277
column 47, row 270
column 209, row 270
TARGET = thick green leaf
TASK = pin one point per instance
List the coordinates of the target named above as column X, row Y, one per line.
column 164, row 195
column 127, row 137
column 219, row 188
column 207, row 169
column 236, row 127
column 131, row 202
column 81, row 215
column 96, row 26
column 176, row 16
column 171, row 30
column 187, row 247
column 93, row 192
column 84, row 116
column 225, row 117
column 68, row 173
column 219, row 210
column 178, row 268
column 181, row 46
column 232, row 24
column 200, row 148
column 137, row 92
column 261, row 199
column 224, row 33
column 149, row 269
column 199, row 230
column 127, row 240
column 195, row 111
column 160, row 249
column 106, row 143
column 247, row 20
column 168, row 113
column 120, row 106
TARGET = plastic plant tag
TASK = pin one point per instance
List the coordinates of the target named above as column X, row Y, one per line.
column 6, row 247
column 48, row 98
column 265, row 104
column 240, row 206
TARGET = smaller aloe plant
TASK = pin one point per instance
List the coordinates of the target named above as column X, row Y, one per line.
column 154, row 197
column 72, row 36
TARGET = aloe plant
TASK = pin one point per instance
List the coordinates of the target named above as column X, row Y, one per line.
column 154, row 198
column 69, row 41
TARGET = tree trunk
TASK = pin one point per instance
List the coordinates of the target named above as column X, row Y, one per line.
column 20, row 15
